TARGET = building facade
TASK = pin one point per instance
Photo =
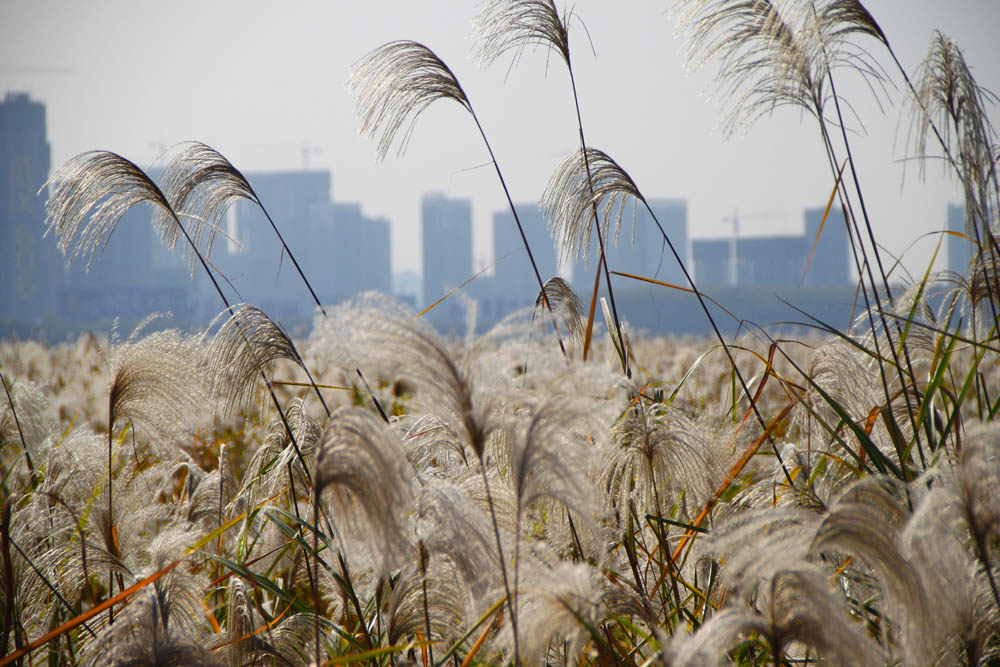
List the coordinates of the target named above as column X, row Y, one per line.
column 30, row 265
column 446, row 234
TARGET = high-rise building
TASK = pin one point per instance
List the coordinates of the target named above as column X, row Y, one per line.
column 517, row 284
column 446, row 226
column 712, row 260
column 780, row 260
column 359, row 254
column 262, row 273
column 829, row 263
column 959, row 249
column 771, row 261
column 640, row 248
column 30, row 266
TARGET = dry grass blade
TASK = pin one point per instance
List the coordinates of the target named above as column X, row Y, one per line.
column 87, row 615
column 568, row 203
column 822, row 222
column 519, row 25
column 395, row 83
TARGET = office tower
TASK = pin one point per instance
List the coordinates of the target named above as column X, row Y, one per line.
column 640, row 248
column 360, row 253
column 829, row 265
column 514, row 276
column 262, row 274
column 30, row 266
column 771, row 261
column 446, row 227
column 712, row 260
column 960, row 250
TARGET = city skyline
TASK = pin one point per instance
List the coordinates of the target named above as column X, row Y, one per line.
column 284, row 107
column 345, row 251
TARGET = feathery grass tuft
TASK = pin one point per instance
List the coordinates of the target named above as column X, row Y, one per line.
column 106, row 185
column 519, row 25
column 573, row 190
column 395, row 83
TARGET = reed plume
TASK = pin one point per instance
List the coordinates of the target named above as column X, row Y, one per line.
column 363, row 474
column 519, row 25
column 566, row 307
column 92, row 191
column 397, row 82
column 243, row 351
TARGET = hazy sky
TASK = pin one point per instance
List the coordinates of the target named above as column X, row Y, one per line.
column 258, row 81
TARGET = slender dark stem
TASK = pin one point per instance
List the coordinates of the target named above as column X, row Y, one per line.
column 378, row 406
column 17, row 422
column 603, row 259
column 864, row 268
column 718, row 334
column 423, row 558
column 316, row 583
column 511, row 604
column 290, row 256
column 520, row 229
column 111, row 523
column 8, row 608
column 885, row 279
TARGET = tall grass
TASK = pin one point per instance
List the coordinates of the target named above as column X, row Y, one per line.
column 238, row 497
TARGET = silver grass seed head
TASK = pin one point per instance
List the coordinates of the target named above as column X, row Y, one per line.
column 156, row 383
column 403, row 605
column 394, row 84
column 518, row 26
column 935, row 543
column 867, row 522
column 201, row 185
column 553, row 605
column 443, row 381
column 138, row 637
column 846, row 17
column 565, row 306
column 776, row 53
column 796, row 607
column 948, row 96
column 365, row 479
column 451, row 525
column 583, row 180
column 27, row 418
column 979, row 482
column 101, row 186
column 242, row 351
column 660, row 459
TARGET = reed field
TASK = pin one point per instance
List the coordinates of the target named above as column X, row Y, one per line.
column 560, row 489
